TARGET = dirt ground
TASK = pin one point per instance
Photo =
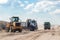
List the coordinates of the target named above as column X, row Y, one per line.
column 53, row 34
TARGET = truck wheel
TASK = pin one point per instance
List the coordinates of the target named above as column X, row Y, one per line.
column 49, row 28
column 20, row 30
column 31, row 29
column 45, row 28
column 14, row 30
column 11, row 30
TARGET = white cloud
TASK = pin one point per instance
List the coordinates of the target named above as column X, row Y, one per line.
column 3, row 1
column 21, row 4
column 41, row 6
column 29, row 6
column 26, row 2
column 57, row 11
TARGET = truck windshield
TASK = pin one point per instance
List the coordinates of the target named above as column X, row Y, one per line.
column 33, row 22
column 15, row 19
column 47, row 23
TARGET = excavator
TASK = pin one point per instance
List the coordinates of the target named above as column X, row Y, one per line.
column 14, row 25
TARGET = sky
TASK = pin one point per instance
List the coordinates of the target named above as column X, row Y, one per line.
column 40, row 10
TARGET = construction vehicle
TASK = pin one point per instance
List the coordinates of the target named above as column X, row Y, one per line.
column 32, row 25
column 47, row 25
column 14, row 25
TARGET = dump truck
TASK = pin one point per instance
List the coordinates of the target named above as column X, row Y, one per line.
column 32, row 25
column 47, row 25
column 14, row 25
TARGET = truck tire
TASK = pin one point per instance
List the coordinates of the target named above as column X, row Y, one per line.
column 32, row 29
column 49, row 28
column 13, row 30
column 45, row 28
column 20, row 30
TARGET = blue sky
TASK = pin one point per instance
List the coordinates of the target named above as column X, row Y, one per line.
column 40, row 10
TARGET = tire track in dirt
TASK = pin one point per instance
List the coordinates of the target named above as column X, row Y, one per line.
column 5, row 35
column 14, row 37
column 32, row 36
column 39, row 34
column 50, row 35
column 24, row 36
column 27, row 35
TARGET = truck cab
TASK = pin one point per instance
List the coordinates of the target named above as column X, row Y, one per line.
column 47, row 25
column 32, row 25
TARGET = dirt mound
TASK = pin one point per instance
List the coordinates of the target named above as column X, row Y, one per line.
column 3, row 24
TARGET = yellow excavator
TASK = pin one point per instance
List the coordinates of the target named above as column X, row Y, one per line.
column 14, row 25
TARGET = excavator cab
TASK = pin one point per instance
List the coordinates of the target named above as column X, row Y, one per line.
column 14, row 19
